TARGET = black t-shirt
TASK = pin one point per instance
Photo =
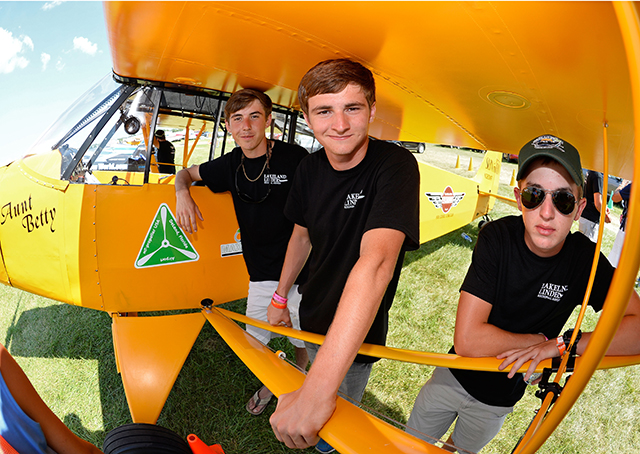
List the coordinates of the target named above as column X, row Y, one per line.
column 264, row 228
column 166, row 156
column 592, row 185
column 529, row 294
column 337, row 208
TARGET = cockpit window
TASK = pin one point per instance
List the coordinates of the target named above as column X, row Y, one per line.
column 108, row 136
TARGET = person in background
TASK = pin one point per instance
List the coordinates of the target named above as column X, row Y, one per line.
column 527, row 275
column 27, row 424
column 166, row 153
column 258, row 173
column 621, row 195
column 590, row 218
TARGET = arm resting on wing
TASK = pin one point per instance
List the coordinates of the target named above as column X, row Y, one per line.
column 625, row 342
column 187, row 212
column 475, row 337
column 301, row 414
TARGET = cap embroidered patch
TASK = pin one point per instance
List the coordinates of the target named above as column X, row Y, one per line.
column 547, row 142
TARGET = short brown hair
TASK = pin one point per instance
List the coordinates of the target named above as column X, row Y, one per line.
column 333, row 76
column 242, row 98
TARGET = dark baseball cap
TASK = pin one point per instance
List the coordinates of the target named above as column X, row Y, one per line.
column 551, row 147
column 160, row 134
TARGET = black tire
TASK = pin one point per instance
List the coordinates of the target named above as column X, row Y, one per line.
column 141, row 438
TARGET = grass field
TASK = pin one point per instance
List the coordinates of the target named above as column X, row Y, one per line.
column 68, row 354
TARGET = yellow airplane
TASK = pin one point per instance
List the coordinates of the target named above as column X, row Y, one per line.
column 87, row 219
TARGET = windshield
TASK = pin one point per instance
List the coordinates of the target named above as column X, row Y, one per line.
column 102, row 125
column 136, row 133
column 73, row 115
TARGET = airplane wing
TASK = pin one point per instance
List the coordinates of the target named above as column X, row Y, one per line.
column 488, row 75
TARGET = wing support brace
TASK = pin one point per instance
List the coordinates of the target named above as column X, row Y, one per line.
column 350, row 430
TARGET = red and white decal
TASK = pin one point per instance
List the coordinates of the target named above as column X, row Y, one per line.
column 445, row 201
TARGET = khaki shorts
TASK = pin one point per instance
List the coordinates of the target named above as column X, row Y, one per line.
column 258, row 301
column 441, row 400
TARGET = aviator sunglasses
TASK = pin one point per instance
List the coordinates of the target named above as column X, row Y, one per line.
column 562, row 199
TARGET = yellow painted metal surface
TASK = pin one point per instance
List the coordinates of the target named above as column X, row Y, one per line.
column 489, row 75
column 80, row 243
column 371, row 435
column 4, row 277
column 150, row 352
column 124, row 218
column 39, row 231
column 449, row 201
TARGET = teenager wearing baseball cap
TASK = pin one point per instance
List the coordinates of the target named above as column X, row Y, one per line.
column 526, row 276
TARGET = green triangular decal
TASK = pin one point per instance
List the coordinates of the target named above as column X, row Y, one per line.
column 165, row 243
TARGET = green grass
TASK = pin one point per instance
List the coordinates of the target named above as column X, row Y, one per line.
column 68, row 354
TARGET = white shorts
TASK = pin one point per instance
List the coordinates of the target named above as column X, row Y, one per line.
column 589, row 229
column 441, row 400
column 258, row 301
column 616, row 249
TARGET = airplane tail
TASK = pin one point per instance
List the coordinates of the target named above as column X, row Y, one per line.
column 488, row 180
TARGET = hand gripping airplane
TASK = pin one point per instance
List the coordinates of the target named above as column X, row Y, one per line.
column 87, row 218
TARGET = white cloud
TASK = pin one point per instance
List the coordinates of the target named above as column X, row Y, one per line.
column 59, row 64
column 84, row 45
column 50, row 5
column 28, row 42
column 10, row 50
column 44, row 58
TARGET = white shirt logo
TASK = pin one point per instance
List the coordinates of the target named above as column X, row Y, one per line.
column 352, row 199
column 270, row 178
column 552, row 292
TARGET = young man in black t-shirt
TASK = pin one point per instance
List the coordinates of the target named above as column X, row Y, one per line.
column 258, row 173
column 527, row 275
column 355, row 208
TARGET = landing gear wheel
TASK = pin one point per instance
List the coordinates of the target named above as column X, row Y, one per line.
column 141, row 438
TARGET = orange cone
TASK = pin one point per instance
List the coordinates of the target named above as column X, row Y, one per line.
column 470, row 164
column 458, row 162
column 199, row 447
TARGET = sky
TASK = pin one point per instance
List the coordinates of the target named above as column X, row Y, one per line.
column 50, row 54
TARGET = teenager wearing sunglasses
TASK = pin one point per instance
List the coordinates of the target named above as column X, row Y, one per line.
column 527, row 275
column 258, row 174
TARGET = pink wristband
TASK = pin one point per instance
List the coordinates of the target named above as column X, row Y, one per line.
column 279, row 299
column 560, row 345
